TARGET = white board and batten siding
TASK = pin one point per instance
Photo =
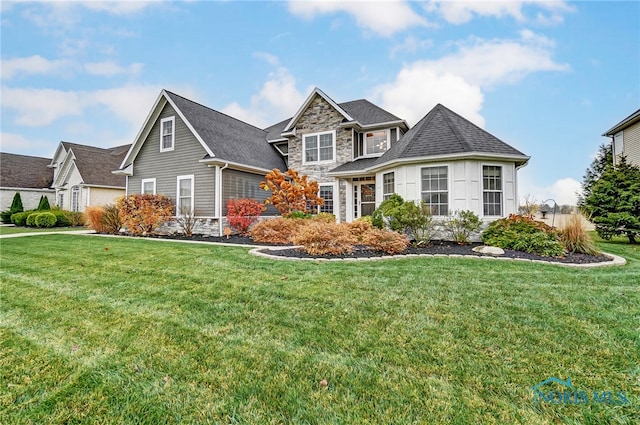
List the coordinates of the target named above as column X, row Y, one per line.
column 464, row 185
column 183, row 160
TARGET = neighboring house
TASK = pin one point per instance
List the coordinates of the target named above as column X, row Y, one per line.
column 625, row 138
column 27, row 175
column 82, row 175
column 359, row 154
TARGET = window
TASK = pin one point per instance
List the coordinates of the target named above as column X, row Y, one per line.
column 167, row 134
column 376, row 142
column 184, row 198
column 492, row 190
column 319, row 147
column 435, row 191
column 326, row 193
column 388, row 185
column 148, row 186
column 75, row 199
column 61, row 200
column 618, row 144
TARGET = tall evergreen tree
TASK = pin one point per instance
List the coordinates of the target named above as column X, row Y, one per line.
column 603, row 160
column 44, row 204
column 613, row 201
column 16, row 207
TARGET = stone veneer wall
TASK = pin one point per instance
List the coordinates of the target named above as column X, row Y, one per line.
column 321, row 116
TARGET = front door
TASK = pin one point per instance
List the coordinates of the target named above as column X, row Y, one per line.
column 364, row 202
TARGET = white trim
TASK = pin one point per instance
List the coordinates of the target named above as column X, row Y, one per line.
column 364, row 143
column 193, row 185
column 335, row 198
column 367, row 127
column 449, row 185
column 318, row 134
column 502, row 185
column 172, row 120
column 212, row 162
column 142, row 183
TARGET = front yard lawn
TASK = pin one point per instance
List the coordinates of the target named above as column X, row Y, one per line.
column 107, row 330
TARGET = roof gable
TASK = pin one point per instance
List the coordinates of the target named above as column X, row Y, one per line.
column 316, row 92
column 22, row 171
column 94, row 164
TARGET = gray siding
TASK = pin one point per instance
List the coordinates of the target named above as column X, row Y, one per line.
column 166, row 166
column 239, row 184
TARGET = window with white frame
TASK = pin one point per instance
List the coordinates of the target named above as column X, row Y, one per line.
column 319, row 147
column 388, row 185
column 167, row 134
column 618, row 143
column 61, row 200
column 435, row 192
column 376, row 142
column 148, row 186
column 492, row 190
column 184, row 195
column 75, row 199
column 326, row 193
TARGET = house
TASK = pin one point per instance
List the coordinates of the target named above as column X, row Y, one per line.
column 27, row 175
column 625, row 138
column 82, row 175
column 359, row 154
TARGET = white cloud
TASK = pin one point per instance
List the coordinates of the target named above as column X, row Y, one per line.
column 277, row 99
column 381, row 17
column 457, row 80
column 563, row 191
column 418, row 88
column 11, row 142
column 410, row 44
column 40, row 107
column 460, row 11
column 35, row 64
column 493, row 62
column 110, row 69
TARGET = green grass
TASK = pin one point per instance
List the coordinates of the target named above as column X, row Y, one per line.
column 104, row 330
column 11, row 230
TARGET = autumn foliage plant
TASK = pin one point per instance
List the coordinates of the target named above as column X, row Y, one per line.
column 143, row 213
column 242, row 213
column 291, row 192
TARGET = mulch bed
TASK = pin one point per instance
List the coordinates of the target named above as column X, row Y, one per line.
column 435, row 247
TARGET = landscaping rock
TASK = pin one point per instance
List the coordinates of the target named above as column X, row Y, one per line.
column 489, row 250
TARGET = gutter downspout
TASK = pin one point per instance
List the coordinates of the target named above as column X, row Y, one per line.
column 219, row 195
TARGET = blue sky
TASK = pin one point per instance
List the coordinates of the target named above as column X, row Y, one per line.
column 546, row 77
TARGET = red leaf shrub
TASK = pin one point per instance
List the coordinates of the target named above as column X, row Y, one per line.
column 358, row 228
column 276, row 230
column 143, row 213
column 385, row 240
column 320, row 238
column 242, row 213
column 93, row 217
column 291, row 192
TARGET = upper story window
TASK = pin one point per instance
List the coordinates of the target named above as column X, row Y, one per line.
column 376, row 142
column 435, row 192
column 167, row 134
column 319, row 147
column 618, row 144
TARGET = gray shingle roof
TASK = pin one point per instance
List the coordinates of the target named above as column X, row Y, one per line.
column 96, row 164
column 630, row 120
column 366, row 113
column 443, row 132
column 229, row 138
column 275, row 131
column 25, row 171
column 357, row 165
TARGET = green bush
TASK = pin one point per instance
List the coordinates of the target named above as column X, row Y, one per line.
column 461, row 225
column 31, row 219
column 20, row 219
column 522, row 233
column 417, row 220
column 299, row 214
column 43, row 205
column 45, row 219
column 75, row 218
column 387, row 212
column 62, row 219
column 16, row 207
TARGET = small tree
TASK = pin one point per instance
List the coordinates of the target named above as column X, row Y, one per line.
column 242, row 213
column 43, row 205
column 143, row 213
column 187, row 220
column 612, row 202
column 16, row 207
column 291, row 192
column 461, row 225
column 602, row 161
